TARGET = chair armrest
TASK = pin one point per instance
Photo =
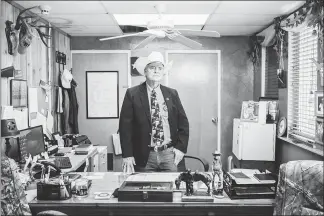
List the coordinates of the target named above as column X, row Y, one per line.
column 202, row 160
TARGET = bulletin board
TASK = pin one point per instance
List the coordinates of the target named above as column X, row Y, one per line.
column 102, row 93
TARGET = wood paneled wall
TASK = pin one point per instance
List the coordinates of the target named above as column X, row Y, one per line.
column 38, row 63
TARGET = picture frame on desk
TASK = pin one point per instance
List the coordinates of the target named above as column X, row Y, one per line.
column 18, row 93
column 319, row 138
column 319, row 104
column 57, row 136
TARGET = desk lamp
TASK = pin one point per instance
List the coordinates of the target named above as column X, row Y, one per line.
column 8, row 130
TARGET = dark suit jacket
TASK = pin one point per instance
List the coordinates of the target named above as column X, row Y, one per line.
column 135, row 122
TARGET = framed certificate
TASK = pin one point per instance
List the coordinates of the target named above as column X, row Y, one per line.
column 102, row 94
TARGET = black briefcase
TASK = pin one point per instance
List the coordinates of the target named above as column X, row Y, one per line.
column 146, row 191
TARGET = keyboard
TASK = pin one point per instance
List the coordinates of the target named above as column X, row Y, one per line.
column 63, row 162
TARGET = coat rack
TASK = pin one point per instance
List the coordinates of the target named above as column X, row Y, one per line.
column 60, row 58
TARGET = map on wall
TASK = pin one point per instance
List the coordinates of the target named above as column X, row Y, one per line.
column 102, row 94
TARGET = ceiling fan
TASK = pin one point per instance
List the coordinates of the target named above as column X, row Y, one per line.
column 162, row 27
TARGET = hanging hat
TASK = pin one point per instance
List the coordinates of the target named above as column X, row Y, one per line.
column 141, row 62
column 66, row 78
column 26, row 36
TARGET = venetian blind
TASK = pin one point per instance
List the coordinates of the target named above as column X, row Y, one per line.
column 271, row 80
column 302, row 84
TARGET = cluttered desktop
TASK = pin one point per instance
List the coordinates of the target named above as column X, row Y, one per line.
column 58, row 179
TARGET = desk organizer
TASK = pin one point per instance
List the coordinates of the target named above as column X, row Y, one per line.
column 53, row 191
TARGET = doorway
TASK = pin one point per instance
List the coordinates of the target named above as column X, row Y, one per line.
column 196, row 76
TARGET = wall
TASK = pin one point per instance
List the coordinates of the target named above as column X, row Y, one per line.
column 237, row 72
column 38, row 63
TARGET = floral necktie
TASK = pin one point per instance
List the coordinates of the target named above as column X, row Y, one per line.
column 157, row 126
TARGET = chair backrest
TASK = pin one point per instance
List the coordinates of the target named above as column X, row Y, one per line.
column 199, row 164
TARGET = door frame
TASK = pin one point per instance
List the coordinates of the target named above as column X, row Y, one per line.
column 219, row 86
column 128, row 52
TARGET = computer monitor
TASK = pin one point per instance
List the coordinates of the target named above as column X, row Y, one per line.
column 31, row 141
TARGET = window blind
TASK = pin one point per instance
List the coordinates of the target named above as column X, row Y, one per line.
column 302, row 84
column 271, row 80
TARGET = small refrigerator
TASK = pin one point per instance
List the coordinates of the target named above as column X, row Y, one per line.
column 254, row 141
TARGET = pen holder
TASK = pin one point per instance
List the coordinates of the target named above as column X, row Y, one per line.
column 54, row 191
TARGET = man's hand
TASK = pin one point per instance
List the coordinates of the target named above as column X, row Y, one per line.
column 178, row 156
column 128, row 165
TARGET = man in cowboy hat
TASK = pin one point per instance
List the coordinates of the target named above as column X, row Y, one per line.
column 153, row 126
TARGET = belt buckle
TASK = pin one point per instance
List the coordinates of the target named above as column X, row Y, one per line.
column 156, row 148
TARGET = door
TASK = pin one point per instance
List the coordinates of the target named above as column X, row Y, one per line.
column 195, row 77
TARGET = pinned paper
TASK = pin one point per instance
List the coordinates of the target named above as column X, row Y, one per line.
column 6, row 112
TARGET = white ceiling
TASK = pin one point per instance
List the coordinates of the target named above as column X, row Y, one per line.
column 94, row 18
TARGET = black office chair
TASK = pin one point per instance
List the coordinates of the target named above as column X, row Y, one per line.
column 182, row 164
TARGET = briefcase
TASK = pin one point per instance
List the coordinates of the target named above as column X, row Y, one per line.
column 146, row 191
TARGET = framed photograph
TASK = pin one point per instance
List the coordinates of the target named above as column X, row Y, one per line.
column 57, row 136
column 102, row 94
column 134, row 71
column 18, row 93
column 250, row 111
column 319, row 131
column 319, row 104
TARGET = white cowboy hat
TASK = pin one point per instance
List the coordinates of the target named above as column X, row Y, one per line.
column 66, row 78
column 141, row 62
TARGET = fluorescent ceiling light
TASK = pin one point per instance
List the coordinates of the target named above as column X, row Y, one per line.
column 178, row 19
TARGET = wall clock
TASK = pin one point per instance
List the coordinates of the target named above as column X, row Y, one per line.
column 282, row 127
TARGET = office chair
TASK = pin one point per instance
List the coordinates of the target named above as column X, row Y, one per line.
column 51, row 213
column 182, row 164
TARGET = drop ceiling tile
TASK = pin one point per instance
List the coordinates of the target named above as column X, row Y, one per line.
column 171, row 7
column 258, row 7
column 95, row 19
column 234, row 30
column 67, row 7
column 239, row 20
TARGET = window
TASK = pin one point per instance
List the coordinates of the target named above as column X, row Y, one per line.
column 302, row 84
column 271, row 66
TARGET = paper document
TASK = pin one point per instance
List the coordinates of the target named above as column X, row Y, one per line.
column 6, row 112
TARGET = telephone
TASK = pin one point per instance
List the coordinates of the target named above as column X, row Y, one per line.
column 37, row 169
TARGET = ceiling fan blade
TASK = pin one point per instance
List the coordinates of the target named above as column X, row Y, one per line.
column 121, row 36
column 186, row 41
column 144, row 42
column 204, row 33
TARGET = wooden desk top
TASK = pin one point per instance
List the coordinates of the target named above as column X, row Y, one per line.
column 109, row 181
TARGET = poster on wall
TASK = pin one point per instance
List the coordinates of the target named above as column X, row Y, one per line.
column 102, row 94
column 18, row 93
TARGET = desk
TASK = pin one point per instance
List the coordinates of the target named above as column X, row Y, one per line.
column 108, row 181
column 95, row 162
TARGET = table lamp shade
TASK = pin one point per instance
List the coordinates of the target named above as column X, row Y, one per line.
column 9, row 128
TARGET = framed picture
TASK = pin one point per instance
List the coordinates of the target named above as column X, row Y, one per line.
column 102, row 94
column 18, row 93
column 250, row 111
column 134, row 71
column 319, row 131
column 319, row 104
column 57, row 136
